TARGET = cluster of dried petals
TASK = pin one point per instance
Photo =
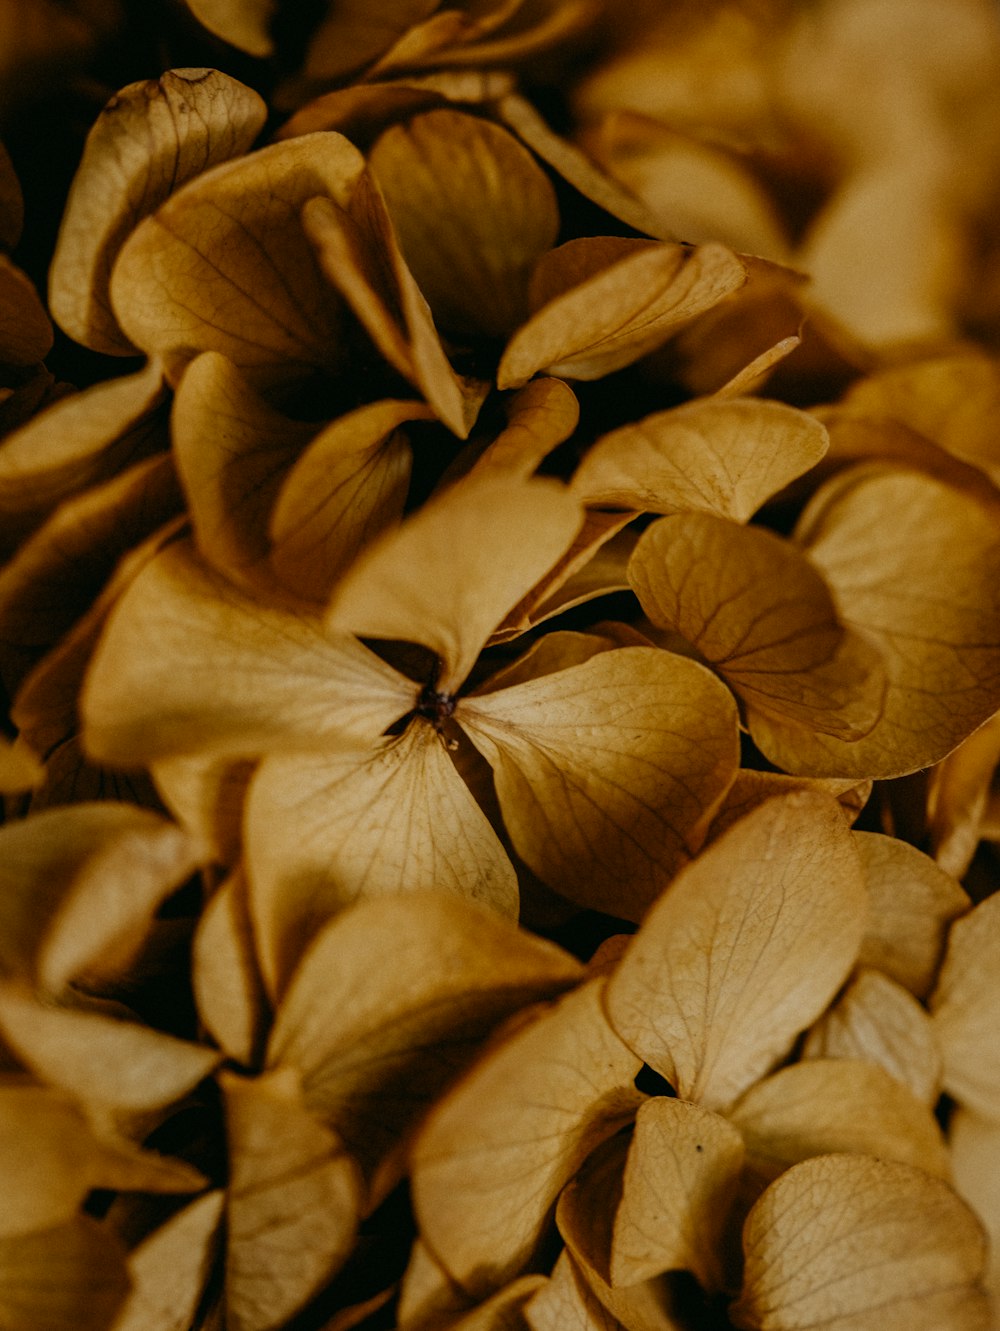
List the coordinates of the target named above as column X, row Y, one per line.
column 855, row 140
column 444, row 692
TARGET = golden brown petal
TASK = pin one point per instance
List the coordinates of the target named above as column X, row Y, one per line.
column 842, row 1241
column 224, row 265
column 912, row 901
column 716, row 456
column 243, row 23
column 79, row 441
column 760, row 613
column 292, row 1205
column 376, row 1045
column 356, row 247
column 70, row 1276
column 25, row 331
column 449, row 574
column 188, row 664
column 348, row 486
column 324, row 829
column 150, row 138
column 473, row 213
column 496, row 1151
column 169, row 1269
column 925, row 589
column 823, row 1105
column 609, row 771
column 965, row 1004
column 225, row 975
column 619, row 314
column 736, row 958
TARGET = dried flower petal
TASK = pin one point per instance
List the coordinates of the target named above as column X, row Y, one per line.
column 744, row 950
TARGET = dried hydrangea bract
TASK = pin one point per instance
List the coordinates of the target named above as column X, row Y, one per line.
column 500, row 645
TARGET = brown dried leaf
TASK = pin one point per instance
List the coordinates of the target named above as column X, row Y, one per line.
column 189, row 664
column 877, row 1019
column 224, row 265
column 911, row 904
column 375, row 1045
column 608, row 772
column 826, row 1105
column 506, row 534
column 473, row 213
column 348, row 486
column 149, row 139
column 292, row 1206
column 497, row 1150
column 325, row 829
column 744, row 950
column 619, row 313
column 842, row 1240
column 925, row 590
column 726, row 457
column 757, row 610
column 965, row 1006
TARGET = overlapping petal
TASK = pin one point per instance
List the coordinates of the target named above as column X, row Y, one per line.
column 224, row 265
column 744, row 950
column 608, row 772
column 149, row 139
column 191, row 665
column 758, row 611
